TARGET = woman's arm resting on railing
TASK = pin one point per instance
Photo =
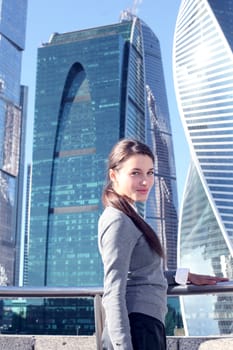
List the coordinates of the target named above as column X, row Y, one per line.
column 201, row 280
column 182, row 276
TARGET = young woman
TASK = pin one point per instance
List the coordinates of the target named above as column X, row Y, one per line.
column 135, row 284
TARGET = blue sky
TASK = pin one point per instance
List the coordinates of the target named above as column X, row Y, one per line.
column 48, row 16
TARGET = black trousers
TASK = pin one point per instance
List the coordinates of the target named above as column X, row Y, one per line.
column 147, row 333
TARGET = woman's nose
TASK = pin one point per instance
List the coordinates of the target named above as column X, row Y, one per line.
column 144, row 180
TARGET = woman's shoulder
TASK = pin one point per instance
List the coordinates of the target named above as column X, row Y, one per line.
column 112, row 214
column 113, row 221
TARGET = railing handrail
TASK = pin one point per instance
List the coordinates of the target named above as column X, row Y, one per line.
column 191, row 289
column 96, row 293
column 51, row 292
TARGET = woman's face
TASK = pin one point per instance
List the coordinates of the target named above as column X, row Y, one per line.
column 134, row 178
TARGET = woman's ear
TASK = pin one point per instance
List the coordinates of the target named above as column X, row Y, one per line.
column 112, row 175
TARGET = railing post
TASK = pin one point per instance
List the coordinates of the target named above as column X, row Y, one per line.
column 99, row 320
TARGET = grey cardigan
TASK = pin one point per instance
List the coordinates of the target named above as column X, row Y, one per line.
column 134, row 280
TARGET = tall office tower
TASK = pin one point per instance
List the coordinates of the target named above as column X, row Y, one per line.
column 23, row 275
column 12, row 39
column 203, row 73
column 20, row 202
column 161, row 207
column 90, row 92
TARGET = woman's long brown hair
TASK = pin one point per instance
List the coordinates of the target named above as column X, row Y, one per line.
column 121, row 152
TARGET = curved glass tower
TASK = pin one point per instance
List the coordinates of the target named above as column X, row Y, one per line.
column 91, row 91
column 203, row 74
column 161, row 207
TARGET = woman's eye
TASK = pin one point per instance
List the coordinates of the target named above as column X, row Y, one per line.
column 134, row 173
column 151, row 172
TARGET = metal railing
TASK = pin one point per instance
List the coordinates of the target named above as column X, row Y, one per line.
column 96, row 293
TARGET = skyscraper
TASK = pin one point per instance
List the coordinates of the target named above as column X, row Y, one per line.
column 24, row 241
column 203, row 73
column 12, row 35
column 161, row 208
column 20, row 203
column 93, row 87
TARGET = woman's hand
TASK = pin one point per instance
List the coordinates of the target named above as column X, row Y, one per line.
column 201, row 280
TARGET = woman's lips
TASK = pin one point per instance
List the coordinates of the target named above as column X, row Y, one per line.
column 143, row 191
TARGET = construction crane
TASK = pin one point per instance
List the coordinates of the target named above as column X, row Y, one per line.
column 134, row 8
column 129, row 13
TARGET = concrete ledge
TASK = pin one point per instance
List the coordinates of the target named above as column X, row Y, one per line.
column 14, row 342
column 217, row 344
column 65, row 343
column 42, row 342
column 200, row 343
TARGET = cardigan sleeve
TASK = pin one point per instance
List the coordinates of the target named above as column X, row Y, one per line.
column 116, row 243
column 170, row 276
column 179, row 276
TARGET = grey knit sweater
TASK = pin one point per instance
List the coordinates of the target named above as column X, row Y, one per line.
column 133, row 276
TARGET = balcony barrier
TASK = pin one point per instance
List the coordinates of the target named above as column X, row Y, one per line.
column 96, row 293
